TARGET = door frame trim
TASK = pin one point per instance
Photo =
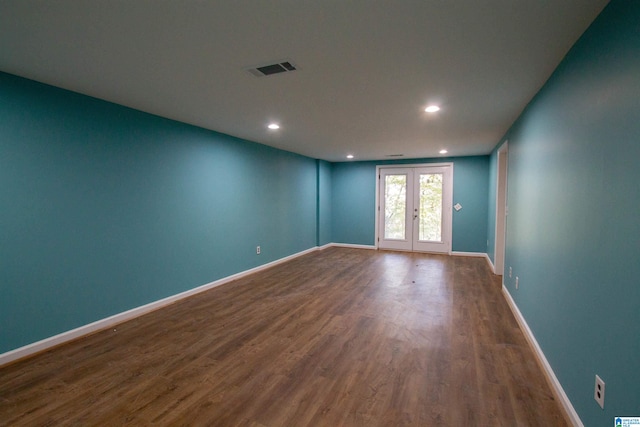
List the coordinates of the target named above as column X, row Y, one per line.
column 412, row 166
column 502, row 183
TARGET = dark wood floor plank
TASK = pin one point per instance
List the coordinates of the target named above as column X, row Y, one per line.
column 339, row 337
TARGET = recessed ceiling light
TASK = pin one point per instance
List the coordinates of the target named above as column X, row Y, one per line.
column 349, row 156
column 443, row 151
column 274, row 126
column 432, row 109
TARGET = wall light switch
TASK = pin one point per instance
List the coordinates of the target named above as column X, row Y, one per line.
column 457, row 206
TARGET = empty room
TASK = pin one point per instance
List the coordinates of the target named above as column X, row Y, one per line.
column 330, row 213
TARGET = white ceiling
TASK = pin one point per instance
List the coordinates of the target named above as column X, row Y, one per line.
column 367, row 68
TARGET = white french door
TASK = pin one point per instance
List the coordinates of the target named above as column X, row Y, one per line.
column 414, row 208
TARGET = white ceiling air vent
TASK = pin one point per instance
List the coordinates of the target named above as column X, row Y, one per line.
column 270, row 69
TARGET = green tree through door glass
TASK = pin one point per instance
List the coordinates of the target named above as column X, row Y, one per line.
column 431, row 207
column 395, row 206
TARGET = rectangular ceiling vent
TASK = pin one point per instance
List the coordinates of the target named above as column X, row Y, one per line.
column 270, row 69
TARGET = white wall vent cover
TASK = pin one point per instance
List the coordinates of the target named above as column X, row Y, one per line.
column 270, row 69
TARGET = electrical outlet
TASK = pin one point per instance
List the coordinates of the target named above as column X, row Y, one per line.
column 257, row 250
column 517, row 280
column 598, row 392
column 510, row 272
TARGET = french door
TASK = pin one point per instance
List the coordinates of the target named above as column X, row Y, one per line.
column 414, row 208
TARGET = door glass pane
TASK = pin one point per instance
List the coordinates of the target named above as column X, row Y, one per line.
column 395, row 206
column 430, row 207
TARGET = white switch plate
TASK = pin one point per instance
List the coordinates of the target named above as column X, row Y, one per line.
column 457, row 206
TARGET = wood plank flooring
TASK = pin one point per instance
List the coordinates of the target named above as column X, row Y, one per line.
column 338, row 337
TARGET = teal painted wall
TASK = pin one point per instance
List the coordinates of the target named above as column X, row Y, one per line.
column 354, row 187
column 470, row 189
column 104, row 208
column 324, row 203
column 573, row 231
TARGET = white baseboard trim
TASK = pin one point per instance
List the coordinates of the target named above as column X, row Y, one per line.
column 349, row 245
column 108, row 322
column 491, row 266
column 556, row 387
column 472, row 254
column 476, row 254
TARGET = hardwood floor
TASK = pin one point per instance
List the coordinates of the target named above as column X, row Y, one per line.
column 339, row 337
